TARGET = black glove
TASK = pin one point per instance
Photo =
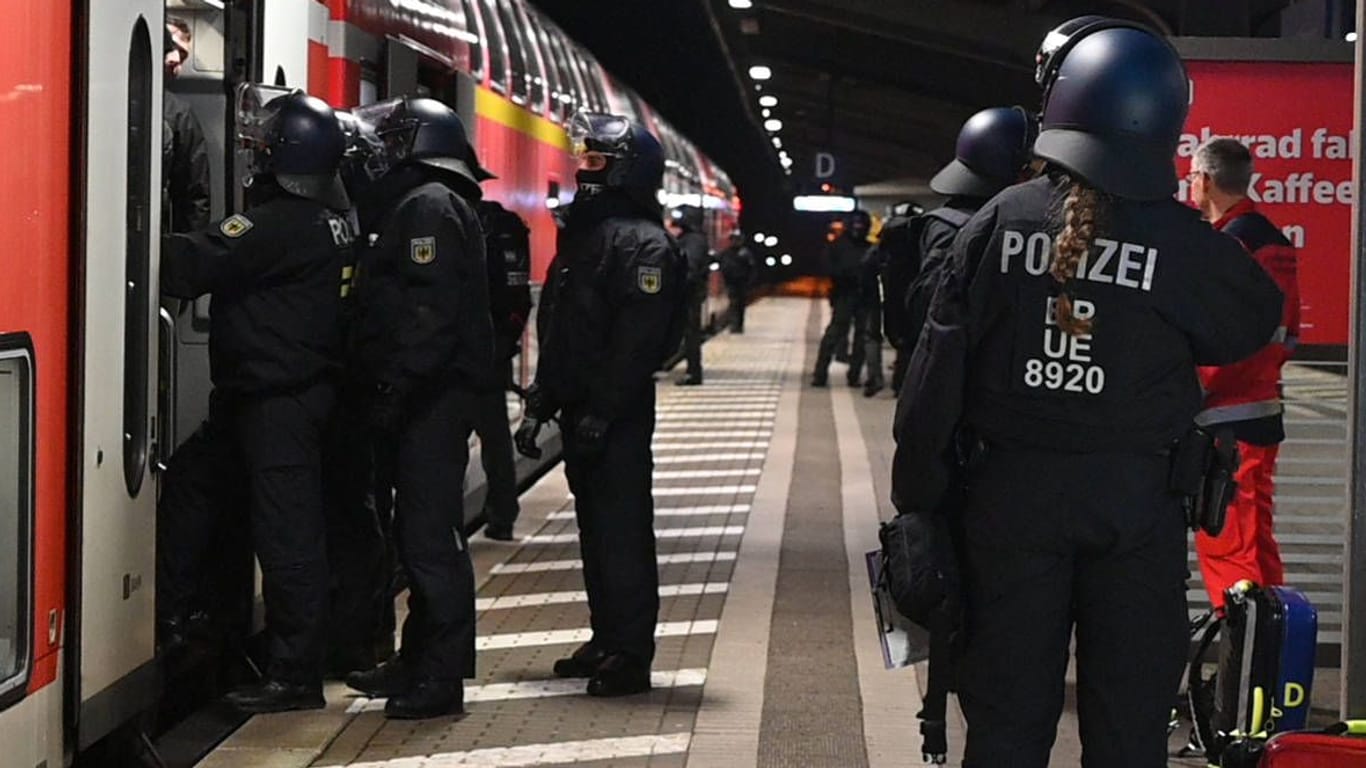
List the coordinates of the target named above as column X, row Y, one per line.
column 538, row 405
column 386, row 410
column 525, row 439
column 591, row 433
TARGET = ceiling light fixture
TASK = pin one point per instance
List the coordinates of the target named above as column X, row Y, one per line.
column 760, row 72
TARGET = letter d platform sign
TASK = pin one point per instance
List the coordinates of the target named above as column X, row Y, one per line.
column 825, row 165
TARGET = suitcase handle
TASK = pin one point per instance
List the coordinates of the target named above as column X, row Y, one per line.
column 1349, row 728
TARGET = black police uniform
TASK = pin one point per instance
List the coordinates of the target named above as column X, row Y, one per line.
column 275, row 273
column 1069, row 521
column 844, row 258
column 610, row 316
column 508, row 253
column 738, row 267
column 698, row 254
column 937, row 232
column 424, row 335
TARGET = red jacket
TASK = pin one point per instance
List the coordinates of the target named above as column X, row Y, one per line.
column 1247, row 394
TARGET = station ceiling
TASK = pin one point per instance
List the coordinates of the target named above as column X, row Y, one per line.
column 881, row 86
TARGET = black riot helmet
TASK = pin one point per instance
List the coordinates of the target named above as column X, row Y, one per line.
column 994, row 146
column 616, row 152
column 687, row 217
column 858, row 225
column 364, row 160
column 1115, row 101
column 294, row 138
column 426, row 132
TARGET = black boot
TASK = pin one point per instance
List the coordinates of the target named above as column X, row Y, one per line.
column 620, row 675
column 582, row 663
column 276, row 696
column 819, row 379
column 498, row 531
column 427, row 698
column 872, row 388
column 388, row 679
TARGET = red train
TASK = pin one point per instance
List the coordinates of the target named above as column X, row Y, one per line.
column 97, row 380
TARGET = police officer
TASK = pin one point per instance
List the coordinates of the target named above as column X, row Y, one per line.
column 424, row 334
column 611, row 315
column 275, row 273
column 1072, row 313
column 738, row 266
column 844, row 259
column 508, row 252
column 687, row 221
column 869, row 318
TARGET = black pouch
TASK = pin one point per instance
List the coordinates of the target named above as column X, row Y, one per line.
column 918, row 565
column 1203, row 470
column 1190, row 460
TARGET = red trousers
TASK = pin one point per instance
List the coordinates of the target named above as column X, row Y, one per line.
column 1246, row 549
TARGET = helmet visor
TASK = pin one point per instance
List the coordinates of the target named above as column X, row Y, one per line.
column 596, row 128
column 392, row 130
column 365, row 153
column 256, row 112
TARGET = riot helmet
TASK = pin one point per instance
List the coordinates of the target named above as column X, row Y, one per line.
column 294, row 138
column 365, row 160
column 1115, row 101
column 426, row 132
column 615, row 152
column 993, row 148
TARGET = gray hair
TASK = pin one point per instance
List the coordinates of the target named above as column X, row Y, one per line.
column 1227, row 162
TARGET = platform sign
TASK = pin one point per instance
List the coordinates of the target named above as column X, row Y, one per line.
column 1296, row 118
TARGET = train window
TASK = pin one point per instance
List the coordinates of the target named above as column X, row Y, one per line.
column 474, row 39
column 498, row 52
column 535, row 58
column 596, row 96
column 16, row 516
column 571, row 87
column 517, row 52
column 137, row 261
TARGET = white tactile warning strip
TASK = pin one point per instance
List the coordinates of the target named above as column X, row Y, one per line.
column 542, row 689
column 508, row 602
column 546, row 754
column 663, row 533
column 577, row 565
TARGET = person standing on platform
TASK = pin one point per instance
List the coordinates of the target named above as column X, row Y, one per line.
column 184, row 154
column 611, row 314
column 844, row 260
column 508, row 247
column 1246, row 397
column 738, row 266
column 1058, row 376
column 276, row 276
column 424, row 335
column 687, row 221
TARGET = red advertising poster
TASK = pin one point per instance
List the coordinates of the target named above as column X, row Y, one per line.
column 1296, row 118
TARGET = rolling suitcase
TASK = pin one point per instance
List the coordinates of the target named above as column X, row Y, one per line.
column 1268, row 639
column 1334, row 747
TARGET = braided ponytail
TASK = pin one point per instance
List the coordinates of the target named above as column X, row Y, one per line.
column 1081, row 213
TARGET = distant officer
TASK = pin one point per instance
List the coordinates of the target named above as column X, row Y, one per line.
column 899, row 252
column 869, row 319
column 687, row 221
column 844, row 260
column 1067, row 326
column 1246, row 396
column 508, row 252
column 275, row 273
column 738, row 266
column 611, row 315
column 424, row 335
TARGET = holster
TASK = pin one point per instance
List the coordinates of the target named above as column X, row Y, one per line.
column 1204, row 473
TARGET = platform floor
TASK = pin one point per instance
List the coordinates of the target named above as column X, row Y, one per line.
column 767, row 494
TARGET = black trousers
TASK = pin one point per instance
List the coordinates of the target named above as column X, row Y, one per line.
column 869, row 329
column 614, row 504
column 738, row 299
column 269, row 446
column 843, row 317
column 692, row 332
column 427, row 460
column 1058, row 543
column 495, row 454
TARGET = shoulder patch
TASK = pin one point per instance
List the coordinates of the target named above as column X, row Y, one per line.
column 235, row 226
column 650, row 280
column 423, row 250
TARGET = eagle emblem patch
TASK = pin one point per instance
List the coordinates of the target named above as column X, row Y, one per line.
column 423, row 250
column 235, row 226
column 649, row 279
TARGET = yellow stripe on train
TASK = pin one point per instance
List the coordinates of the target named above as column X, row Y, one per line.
column 502, row 111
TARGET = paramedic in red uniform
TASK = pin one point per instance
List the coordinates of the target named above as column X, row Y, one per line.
column 1245, row 396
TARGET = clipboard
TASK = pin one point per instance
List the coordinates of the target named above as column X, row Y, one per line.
column 903, row 642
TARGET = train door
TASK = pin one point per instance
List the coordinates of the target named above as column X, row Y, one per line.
column 114, row 674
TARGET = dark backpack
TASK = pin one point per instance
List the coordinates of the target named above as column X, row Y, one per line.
column 915, row 302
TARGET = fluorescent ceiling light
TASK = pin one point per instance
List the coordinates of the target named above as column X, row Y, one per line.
column 742, row 5
column 786, row 259
column 777, row 143
column 768, row 101
column 771, row 241
column 768, row 113
column 759, row 237
column 773, row 125
column 772, row 262
column 760, row 72
column 823, row 204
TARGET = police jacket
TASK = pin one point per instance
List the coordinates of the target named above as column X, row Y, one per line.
column 1247, row 395
column 612, row 310
column 697, row 252
column 1165, row 291
column 843, row 259
column 507, row 248
column 185, row 168
column 422, row 315
column 937, row 229
column 737, row 266
column 276, row 275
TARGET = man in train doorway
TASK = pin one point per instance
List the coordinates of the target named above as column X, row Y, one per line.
column 424, row 335
column 275, row 273
column 612, row 312
column 184, row 153
column 1246, row 396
